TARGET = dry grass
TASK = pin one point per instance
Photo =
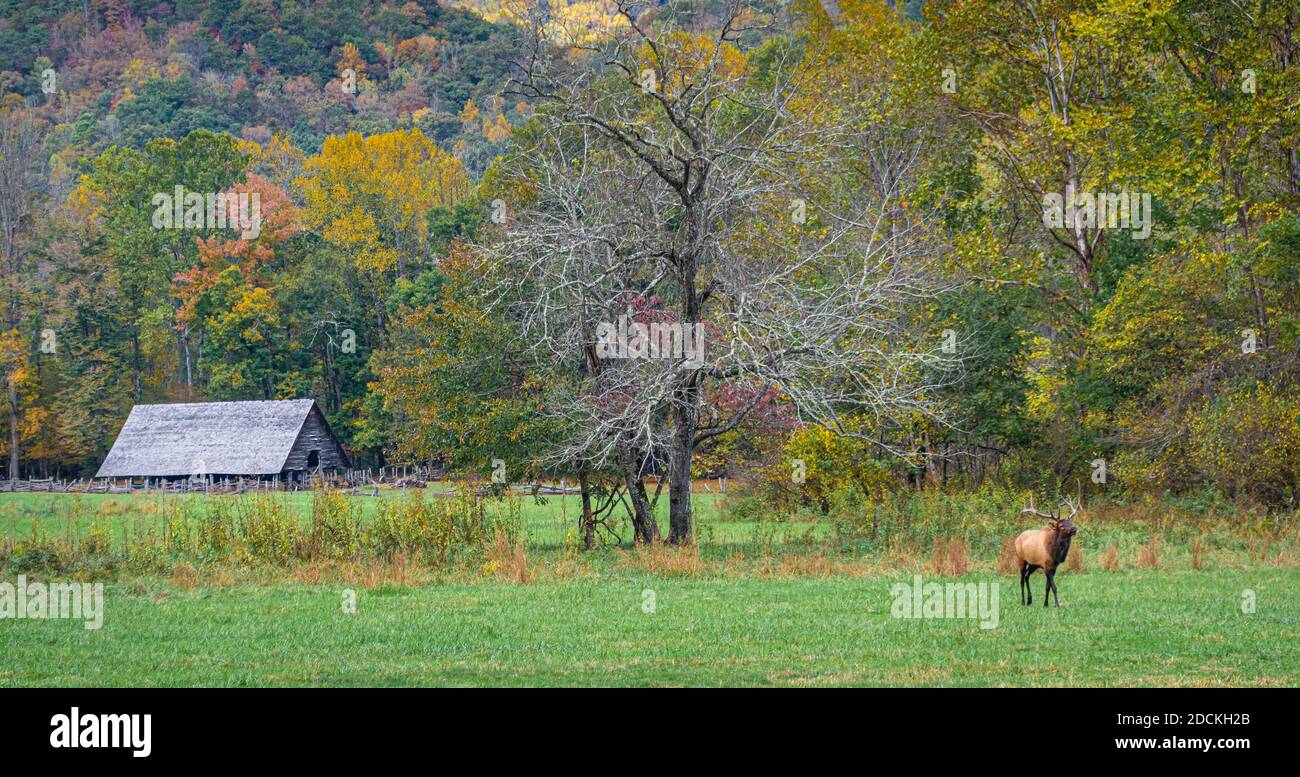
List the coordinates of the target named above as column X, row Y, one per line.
column 184, row 576
column 572, row 564
column 1074, row 562
column 801, row 565
column 365, row 574
column 508, row 561
column 1259, row 547
column 664, row 559
column 1110, row 559
column 1008, row 564
column 1148, row 556
column 950, row 557
column 397, row 567
column 1197, row 549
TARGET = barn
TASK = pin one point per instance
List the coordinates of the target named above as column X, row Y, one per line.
column 286, row 438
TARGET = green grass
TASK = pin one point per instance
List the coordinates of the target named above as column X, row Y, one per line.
column 1125, row 629
column 732, row 619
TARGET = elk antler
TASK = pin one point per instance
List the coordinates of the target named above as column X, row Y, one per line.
column 1074, row 508
column 1031, row 511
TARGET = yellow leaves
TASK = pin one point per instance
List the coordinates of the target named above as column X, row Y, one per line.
column 1046, row 379
column 376, row 259
column 82, row 207
column 1164, row 318
column 14, row 364
column 350, row 229
column 137, row 72
column 469, row 114
column 1249, row 437
column 350, row 59
column 258, row 309
column 496, row 131
column 686, row 58
column 569, row 21
column 860, row 50
column 372, row 194
column 829, row 463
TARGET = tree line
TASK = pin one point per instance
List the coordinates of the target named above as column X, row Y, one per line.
column 1052, row 242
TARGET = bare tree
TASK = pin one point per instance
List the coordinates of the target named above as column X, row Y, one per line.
column 670, row 181
column 21, row 181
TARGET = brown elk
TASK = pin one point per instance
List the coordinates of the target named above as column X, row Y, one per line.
column 1046, row 548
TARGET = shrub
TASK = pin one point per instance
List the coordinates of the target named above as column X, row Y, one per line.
column 335, row 525
column 1247, row 441
column 268, row 527
column 440, row 530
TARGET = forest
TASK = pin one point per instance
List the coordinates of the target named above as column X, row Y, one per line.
column 1053, row 244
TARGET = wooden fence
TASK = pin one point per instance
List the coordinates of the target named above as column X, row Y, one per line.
column 354, row 481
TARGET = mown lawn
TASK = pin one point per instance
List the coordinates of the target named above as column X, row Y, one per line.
column 1148, row 627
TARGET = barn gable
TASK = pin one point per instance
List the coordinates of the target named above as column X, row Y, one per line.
column 217, row 438
column 317, row 436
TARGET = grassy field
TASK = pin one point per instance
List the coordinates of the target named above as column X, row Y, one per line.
column 1140, row 628
column 722, row 615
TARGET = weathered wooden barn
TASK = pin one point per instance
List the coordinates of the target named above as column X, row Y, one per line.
column 286, row 438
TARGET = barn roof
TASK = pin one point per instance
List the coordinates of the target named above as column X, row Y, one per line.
column 218, row 438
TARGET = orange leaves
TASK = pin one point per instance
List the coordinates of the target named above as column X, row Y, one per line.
column 280, row 220
column 421, row 47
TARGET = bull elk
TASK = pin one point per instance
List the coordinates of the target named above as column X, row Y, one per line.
column 1046, row 548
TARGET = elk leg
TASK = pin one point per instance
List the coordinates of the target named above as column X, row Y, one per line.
column 1047, row 589
column 1029, row 572
column 1055, row 596
column 1023, row 567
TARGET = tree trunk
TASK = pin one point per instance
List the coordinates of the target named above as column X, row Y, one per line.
column 588, row 522
column 644, row 527
column 180, row 365
column 686, row 398
column 189, row 368
column 13, row 428
column 679, row 471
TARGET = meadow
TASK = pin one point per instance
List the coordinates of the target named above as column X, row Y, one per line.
column 803, row 601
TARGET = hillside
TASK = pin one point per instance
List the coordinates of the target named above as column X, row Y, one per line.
column 134, row 71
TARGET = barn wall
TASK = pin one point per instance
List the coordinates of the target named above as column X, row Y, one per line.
column 314, row 436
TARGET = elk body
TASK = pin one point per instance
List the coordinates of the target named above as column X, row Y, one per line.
column 1045, row 548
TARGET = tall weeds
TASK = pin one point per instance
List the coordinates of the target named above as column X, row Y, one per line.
column 264, row 528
